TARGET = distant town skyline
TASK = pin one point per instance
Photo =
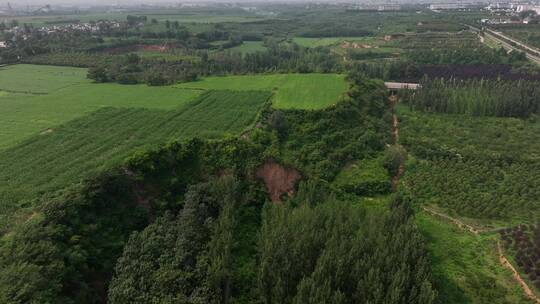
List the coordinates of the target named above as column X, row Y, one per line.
column 112, row 2
column 21, row 3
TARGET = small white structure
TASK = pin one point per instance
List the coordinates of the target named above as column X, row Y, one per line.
column 526, row 7
column 401, row 86
column 389, row 7
column 446, row 6
column 3, row 44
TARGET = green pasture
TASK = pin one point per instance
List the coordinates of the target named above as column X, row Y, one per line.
column 292, row 91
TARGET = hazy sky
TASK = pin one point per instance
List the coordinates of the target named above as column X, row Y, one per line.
column 94, row 2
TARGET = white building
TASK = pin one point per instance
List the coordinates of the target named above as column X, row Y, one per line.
column 389, row 7
column 527, row 7
column 446, row 6
column 500, row 6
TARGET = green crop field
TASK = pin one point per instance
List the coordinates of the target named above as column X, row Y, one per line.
column 85, row 146
column 65, row 94
column 36, row 98
column 249, row 47
column 328, row 41
column 39, row 79
column 292, row 91
column 171, row 16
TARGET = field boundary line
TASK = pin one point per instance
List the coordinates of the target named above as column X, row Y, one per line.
column 505, row 263
column 458, row 222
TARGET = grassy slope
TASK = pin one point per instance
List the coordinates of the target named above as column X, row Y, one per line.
column 466, row 267
column 88, row 145
column 300, row 91
column 66, row 94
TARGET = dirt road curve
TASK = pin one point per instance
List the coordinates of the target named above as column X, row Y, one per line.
column 506, row 264
column 457, row 222
column 395, row 139
column 502, row 259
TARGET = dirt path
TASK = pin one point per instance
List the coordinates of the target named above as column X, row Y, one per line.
column 502, row 259
column 395, row 139
column 395, row 130
column 455, row 221
column 515, row 274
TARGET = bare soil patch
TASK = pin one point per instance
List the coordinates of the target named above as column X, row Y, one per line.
column 48, row 131
column 278, row 179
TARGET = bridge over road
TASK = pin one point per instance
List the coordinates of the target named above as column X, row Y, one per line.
column 393, row 87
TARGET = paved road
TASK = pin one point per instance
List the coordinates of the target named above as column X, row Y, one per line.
column 498, row 37
column 533, row 50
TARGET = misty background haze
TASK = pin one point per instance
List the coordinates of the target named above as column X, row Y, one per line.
column 124, row 2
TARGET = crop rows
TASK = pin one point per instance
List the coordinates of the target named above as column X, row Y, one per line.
column 103, row 139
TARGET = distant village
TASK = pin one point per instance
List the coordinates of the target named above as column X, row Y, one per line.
column 16, row 31
column 501, row 12
column 501, row 9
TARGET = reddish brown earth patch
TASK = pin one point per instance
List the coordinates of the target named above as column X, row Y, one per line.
column 137, row 47
column 278, row 179
column 154, row 48
column 515, row 274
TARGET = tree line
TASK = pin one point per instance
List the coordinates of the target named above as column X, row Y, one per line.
column 290, row 58
column 476, row 97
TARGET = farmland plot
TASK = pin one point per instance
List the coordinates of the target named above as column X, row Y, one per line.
column 88, row 145
column 35, row 99
column 292, row 91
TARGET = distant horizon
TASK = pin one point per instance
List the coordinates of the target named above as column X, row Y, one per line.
column 135, row 2
column 23, row 3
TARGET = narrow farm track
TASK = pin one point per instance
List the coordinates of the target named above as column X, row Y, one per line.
column 506, row 264
column 502, row 258
column 455, row 221
column 395, row 139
